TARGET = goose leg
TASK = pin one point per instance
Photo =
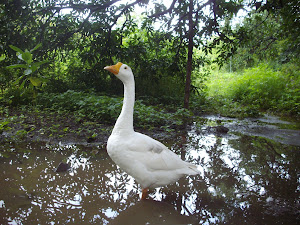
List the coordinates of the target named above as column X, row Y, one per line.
column 144, row 193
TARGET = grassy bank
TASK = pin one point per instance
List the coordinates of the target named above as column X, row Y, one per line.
column 255, row 90
column 82, row 117
column 89, row 117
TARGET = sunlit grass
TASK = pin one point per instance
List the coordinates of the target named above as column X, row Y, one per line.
column 219, row 83
column 261, row 88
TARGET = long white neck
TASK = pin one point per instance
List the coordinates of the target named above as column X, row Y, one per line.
column 125, row 120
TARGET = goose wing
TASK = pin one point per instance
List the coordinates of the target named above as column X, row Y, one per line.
column 156, row 156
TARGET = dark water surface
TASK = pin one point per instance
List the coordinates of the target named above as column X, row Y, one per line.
column 247, row 177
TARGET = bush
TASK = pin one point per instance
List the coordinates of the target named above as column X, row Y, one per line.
column 105, row 109
column 93, row 107
column 14, row 96
column 290, row 99
column 257, row 88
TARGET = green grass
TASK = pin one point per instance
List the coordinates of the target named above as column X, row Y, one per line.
column 105, row 109
column 256, row 89
column 219, row 82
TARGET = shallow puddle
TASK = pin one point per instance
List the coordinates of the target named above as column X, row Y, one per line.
column 244, row 179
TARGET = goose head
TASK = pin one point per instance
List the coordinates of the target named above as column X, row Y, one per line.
column 122, row 71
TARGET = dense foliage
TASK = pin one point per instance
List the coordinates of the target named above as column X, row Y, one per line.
column 83, row 116
column 72, row 41
column 260, row 88
column 106, row 109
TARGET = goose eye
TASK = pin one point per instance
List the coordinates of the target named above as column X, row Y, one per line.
column 125, row 67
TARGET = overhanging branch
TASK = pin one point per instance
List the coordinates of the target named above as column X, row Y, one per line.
column 169, row 10
column 92, row 7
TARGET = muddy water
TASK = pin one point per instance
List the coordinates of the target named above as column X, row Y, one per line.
column 248, row 176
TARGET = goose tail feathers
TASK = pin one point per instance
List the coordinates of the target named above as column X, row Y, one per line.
column 192, row 169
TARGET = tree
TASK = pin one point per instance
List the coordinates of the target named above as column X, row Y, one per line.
column 190, row 56
column 90, row 34
column 265, row 36
column 88, row 31
column 203, row 19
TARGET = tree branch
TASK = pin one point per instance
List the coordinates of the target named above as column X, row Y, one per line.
column 116, row 19
column 70, row 33
column 95, row 7
column 267, row 42
column 91, row 7
column 169, row 10
column 123, row 10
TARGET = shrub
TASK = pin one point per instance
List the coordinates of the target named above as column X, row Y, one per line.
column 259, row 86
column 105, row 109
column 290, row 99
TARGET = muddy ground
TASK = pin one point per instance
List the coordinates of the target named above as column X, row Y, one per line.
column 58, row 127
column 18, row 125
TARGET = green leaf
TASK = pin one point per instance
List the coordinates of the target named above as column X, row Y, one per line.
column 37, row 64
column 28, row 71
column 27, row 57
column 36, row 47
column 2, row 57
column 66, row 129
column 17, row 66
column 22, row 84
column 16, row 49
column 33, row 68
column 35, row 81
column 18, row 80
column 19, row 55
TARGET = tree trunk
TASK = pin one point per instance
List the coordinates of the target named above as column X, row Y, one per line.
column 190, row 58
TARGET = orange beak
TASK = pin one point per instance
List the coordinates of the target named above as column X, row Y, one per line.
column 114, row 68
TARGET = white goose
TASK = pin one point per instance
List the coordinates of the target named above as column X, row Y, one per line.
column 150, row 162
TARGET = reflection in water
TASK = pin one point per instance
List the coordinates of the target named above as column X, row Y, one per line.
column 151, row 211
column 244, row 180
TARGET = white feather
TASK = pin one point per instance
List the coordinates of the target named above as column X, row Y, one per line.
column 150, row 162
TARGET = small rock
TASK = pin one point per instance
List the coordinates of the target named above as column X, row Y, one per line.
column 90, row 139
column 62, row 167
column 221, row 129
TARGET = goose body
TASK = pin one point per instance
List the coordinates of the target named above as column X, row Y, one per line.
column 147, row 160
